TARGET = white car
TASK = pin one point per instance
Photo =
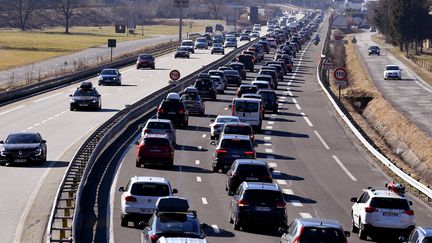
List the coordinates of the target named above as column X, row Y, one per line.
column 220, row 85
column 381, row 209
column 139, row 197
column 392, row 72
column 217, row 125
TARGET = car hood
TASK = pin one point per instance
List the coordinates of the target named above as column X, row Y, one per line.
column 23, row 146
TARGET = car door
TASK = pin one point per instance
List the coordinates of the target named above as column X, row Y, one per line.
column 234, row 200
column 359, row 206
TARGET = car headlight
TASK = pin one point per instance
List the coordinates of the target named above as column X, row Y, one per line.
column 100, row 77
column 3, row 152
column 94, row 100
column 38, row 152
column 72, row 101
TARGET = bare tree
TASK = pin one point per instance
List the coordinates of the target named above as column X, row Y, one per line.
column 67, row 8
column 24, row 9
column 214, row 7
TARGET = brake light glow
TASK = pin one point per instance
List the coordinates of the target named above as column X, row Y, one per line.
column 242, row 203
column 182, row 111
column 161, row 110
column 232, row 109
column 153, row 238
column 409, row 212
column 147, row 130
column 297, row 239
column 370, row 209
column 281, row 205
column 221, row 151
column 249, row 152
column 130, row 199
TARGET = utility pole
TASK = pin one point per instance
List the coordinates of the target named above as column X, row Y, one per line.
column 181, row 21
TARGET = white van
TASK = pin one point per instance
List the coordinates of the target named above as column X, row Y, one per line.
column 248, row 110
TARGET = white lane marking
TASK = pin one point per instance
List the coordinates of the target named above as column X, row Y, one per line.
column 290, row 93
column 296, row 203
column 48, row 97
column 269, row 150
column 199, row 147
column 204, row 135
column 305, row 215
column 50, row 118
column 273, row 115
column 56, row 115
column 344, row 168
column 215, row 229
column 267, row 138
column 13, row 109
column 282, row 98
column 197, row 162
column 281, row 182
column 267, row 144
column 204, row 200
column 269, row 127
column 30, row 128
column 288, row 191
column 270, row 123
column 276, row 172
column 199, row 179
column 285, row 92
column 63, row 112
column 272, row 165
column 44, row 121
column 307, row 119
column 298, row 106
column 37, row 124
column 226, row 108
column 322, row 140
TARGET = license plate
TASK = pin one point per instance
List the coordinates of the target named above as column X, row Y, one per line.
column 146, row 211
column 20, row 160
column 391, row 214
column 171, row 113
column 236, row 156
column 262, row 209
column 83, row 104
column 155, row 150
column 251, row 178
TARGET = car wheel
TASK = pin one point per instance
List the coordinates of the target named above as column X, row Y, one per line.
column 211, row 53
column 362, row 231
column 137, row 164
column 354, row 228
column 71, row 108
column 215, row 169
column 124, row 221
column 236, row 225
column 153, row 67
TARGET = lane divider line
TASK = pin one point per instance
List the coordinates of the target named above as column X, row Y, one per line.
column 288, row 191
column 272, row 165
column 296, row 203
column 344, row 168
column 267, row 144
column 306, row 215
column 267, row 138
column 48, row 97
column 197, row 162
column 269, row 127
column 215, row 229
column 199, row 179
column 204, row 200
column 306, row 119
column 13, row 109
column 269, row 150
column 281, row 182
column 322, row 140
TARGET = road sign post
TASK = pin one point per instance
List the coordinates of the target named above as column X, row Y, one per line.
column 340, row 75
column 181, row 4
column 112, row 43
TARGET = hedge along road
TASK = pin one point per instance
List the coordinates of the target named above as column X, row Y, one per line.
column 28, row 192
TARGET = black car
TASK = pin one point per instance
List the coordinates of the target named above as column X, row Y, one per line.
column 24, row 147
column 109, row 76
column 269, row 98
column 258, row 202
column 247, row 60
column 247, row 170
column 85, row 97
column 219, row 73
column 233, row 77
column 173, row 218
column 145, row 60
column 173, row 109
column 265, row 44
column 281, row 62
column 229, row 148
column 374, row 50
column 182, row 52
column 240, row 67
column 206, row 88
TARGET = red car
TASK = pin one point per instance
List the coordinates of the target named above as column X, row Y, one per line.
column 155, row 149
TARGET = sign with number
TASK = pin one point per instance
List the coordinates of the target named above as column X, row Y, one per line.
column 174, row 75
column 339, row 74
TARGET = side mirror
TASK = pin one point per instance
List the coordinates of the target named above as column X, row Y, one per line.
column 121, row 189
column 410, row 203
column 230, row 107
column 1, row 142
column 43, row 141
column 136, row 143
column 283, row 230
column 70, row 95
column 271, row 170
column 141, row 126
column 255, row 145
column 213, row 142
column 347, row 233
column 212, row 120
column 174, row 191
column 402, row 239
column 353, row 199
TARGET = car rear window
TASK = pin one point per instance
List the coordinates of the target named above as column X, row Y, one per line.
column 177, row 223
column 145, row 57
column 202, row 84
column 150, row 189
column 268, row 96
column 244, row 58
column 190, row 98
column 242, row 130
column 322, row 235
column 245, row 106
column 172, row 105
column 159, row 125
column 263, row 196
column 236, row 144
column 255, row 170
column 109, row 72
column 156, row 142
column 261, row 85
column 390, row 203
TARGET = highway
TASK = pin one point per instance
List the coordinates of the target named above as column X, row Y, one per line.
column 318, row 163
column 28, row 192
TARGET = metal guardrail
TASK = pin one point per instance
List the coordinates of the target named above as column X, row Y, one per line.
column 66, row 216
column 408, row 179
column 50, row 84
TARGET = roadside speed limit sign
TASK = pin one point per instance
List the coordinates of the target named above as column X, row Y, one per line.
column 339, row 73
column 174, row 75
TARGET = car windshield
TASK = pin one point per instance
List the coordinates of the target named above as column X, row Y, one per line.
column 392, row 68
column 247, row 106
column 268, row 96
column 263, row 196
column 85, row 92
column 182, row 49
column 231, row 72
column 190, row 97
column 201, row 40
column 187, row 43
column 202, row 84
column 322, row 235
column 177, row 223
column 171, row 105
column 150, row 189
column 158, row 125
column 217, row 45
column 390, row 203
column 22, row 138
column 145, row 57
column 109, row 72
column 236, row 144
column 156, row 142
column 226, row 119
column 242, row 130
column 233, row 39
column 261, row 85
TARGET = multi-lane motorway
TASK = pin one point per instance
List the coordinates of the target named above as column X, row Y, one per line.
column 318, row 165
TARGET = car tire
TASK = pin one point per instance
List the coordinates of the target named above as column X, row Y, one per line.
column 236, row 225
column 71, row 108
column 362, row 231
column 153, row 67
column 124, row 222
column 137, row 164
column 215, row 169
column 354, row 228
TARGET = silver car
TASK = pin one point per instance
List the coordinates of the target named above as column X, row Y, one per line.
column 160, row 126
column 220, row 85
column 193, row 103
column 217, row 125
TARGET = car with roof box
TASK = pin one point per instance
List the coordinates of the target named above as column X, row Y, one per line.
column 173, row 219
column 172, row 108
column 139, row 197
column 159, row 126
column 230, row 147
column 85, row 97
column 313, row 230
column 218, row 123
column 247, row 170
column 258, row 203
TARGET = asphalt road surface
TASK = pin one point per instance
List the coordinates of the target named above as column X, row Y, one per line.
column 319, row 165
column 28, row 192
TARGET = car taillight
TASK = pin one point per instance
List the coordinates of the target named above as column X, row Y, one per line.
column 161, row 110
column 409, row 212
column 232, row 109
column 153, row 238
column 233, row 175
column 242, row 203
column 221, row 151
column 370, row 209
column 147, row 130
column 297, row 239
column 130, row 199
column 249, row 153
column 280, row 204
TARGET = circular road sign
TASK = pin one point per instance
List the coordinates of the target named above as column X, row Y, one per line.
column 339, row 73
column 174, row 75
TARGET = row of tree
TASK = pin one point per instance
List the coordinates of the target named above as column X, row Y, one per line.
column 404, row 22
